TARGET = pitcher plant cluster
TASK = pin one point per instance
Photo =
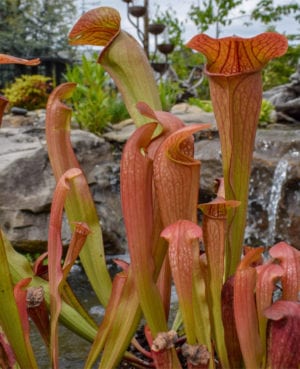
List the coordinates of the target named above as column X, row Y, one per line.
column 238, row 306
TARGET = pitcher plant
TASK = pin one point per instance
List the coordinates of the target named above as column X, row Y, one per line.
column 238, row 307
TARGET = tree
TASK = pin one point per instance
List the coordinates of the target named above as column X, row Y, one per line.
column 12, row 27
column 209, row 12
column 267, row 12
column 174, row 26
column 36, row 27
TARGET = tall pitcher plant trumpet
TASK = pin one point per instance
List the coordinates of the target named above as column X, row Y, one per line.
column 227, row 315
column 234, row 69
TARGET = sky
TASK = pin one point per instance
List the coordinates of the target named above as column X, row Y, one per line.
column 287, row 25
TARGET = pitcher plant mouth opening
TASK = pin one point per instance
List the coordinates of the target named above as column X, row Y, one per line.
column 227, row 314
column 230, row 56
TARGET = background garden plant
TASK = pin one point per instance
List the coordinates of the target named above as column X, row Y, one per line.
column 29, row 92
column 96, row 102
column 227, row 312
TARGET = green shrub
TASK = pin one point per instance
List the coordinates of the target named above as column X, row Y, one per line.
column 95, row 101
column 168, row 92
column 265, row 113
column 278, row 71
column 29, row 91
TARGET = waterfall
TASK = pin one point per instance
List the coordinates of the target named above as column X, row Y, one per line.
column 279, row 177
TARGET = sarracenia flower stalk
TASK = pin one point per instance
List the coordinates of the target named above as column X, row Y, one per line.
column 122, row 57
column 233, row 68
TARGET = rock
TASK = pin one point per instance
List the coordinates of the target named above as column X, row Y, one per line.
column 120, row 132
column 286, row 99
column 194, row 114
column 274, row 196
column 18, row 111
column 25, row 168
column 32, row 118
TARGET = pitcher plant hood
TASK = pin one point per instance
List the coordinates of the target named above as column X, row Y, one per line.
column 233, row 55
column 122, row 57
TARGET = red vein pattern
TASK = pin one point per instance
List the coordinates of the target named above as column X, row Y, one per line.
column 96, row 27
column 232, row 55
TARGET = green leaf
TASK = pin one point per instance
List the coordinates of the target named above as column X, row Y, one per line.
column 10, row 319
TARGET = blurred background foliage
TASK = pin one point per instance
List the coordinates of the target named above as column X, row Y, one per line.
column 35, row 27
column 96, row 102
column 29, row 92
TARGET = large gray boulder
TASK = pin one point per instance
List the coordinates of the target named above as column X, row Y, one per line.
column 286, row 99
column 27, row 184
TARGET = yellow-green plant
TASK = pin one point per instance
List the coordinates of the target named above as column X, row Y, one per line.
column 29, row 91
column 265, row 116
column 168, row 93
